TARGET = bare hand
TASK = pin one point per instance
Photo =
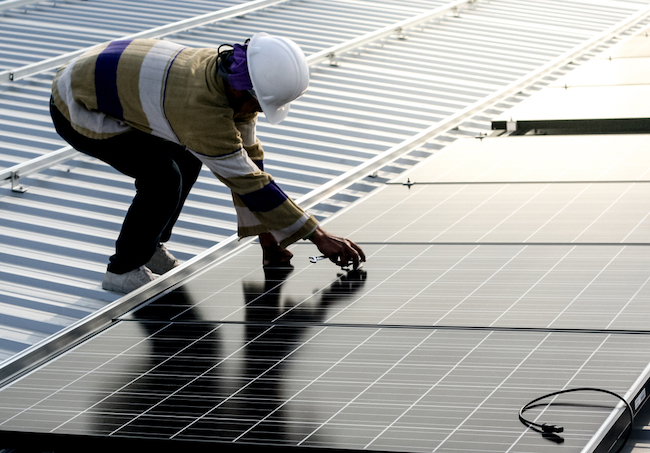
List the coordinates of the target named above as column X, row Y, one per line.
column 339, row 250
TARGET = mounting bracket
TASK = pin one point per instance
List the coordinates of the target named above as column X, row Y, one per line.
column 15, row 185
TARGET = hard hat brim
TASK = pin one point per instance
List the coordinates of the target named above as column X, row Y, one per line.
column 273, row 114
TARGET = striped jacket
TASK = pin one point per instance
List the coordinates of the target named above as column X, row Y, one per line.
column 172, row 91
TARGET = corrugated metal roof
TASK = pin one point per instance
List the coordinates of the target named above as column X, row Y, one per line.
column 57, row 236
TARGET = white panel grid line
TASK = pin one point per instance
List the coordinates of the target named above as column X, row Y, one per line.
column 198, row 303
column 551, row 401
column 250, row 382
column 398, row 420
column 388, row 278
column 559, row 315
column 481, row 285
column 641, row 222
column 493, row 323
column 420, row 217
column 604, row 211
column 429, row 390
column 77, row 379
column 467, row 214
column 295, row 395
column 367, row 388
column 624, row 307
column 396, row 205
column 313, row 295
column 296, row 306
column 492, row 392
column 558, row 212
column 430, row 284
column 175, row 392
column 410, row 384
column 515, row 211
column 136, row 378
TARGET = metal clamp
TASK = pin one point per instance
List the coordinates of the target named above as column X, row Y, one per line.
column 332, row 58
column 15, row 185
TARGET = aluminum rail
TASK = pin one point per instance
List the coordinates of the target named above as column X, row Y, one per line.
column 332, row 52
column 374, row 164
column 13, row 174
column 12, row 75
column 637, row 395
column 8, row 4
column 76, row 332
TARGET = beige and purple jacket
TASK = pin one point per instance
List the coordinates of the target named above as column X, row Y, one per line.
column 173, row 92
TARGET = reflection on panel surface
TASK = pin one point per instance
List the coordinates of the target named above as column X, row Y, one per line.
column 320, row 386
column 528, row 213
column 527, row 286
column 558, row 159
column 478, row 295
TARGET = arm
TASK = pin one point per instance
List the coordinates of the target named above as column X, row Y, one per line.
column 267, row 207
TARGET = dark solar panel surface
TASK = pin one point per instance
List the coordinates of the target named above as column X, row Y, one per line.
column 323, row 386
column 479, row 294
column 493, row 285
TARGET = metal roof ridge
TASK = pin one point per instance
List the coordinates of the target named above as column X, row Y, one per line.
column 8, row 4
column 386, row 31
column 222, row 14
column 13, row 174
column 45, row 349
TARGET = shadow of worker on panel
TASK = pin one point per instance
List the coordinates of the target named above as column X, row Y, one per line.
column 265, row 302
column 216, row 382
column 277, row 327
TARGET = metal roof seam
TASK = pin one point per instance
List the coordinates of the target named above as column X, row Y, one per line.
column 326, row 143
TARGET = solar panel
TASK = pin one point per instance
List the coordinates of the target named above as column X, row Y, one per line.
column 604, row 95
column 565, row 158
column 603, row 109
column 322, row 386
column 465, row 285
column 483, row 289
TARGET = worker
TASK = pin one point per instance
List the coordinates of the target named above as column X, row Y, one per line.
column 157, row 111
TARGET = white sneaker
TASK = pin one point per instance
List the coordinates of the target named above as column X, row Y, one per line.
column 125, row 283
column 161, row 261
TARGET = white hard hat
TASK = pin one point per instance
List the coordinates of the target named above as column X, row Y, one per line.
column 279, row 73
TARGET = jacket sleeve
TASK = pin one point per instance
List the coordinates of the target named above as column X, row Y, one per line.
column 260, row 203
column 226, row 143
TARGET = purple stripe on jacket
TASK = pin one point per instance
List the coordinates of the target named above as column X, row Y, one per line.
column 108, row 100
column 265, row 199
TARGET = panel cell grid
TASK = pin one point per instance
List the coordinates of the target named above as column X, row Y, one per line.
column 476, row 297
column 316, row 386
column 477, row 285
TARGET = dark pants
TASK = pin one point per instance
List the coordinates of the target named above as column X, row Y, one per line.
column 164, row 173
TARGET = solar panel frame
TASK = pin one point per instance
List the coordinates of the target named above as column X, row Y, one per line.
column 395, row 391
column 432, row 346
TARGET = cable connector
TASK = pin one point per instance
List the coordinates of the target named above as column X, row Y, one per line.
column 549, row 431
column 551, row 428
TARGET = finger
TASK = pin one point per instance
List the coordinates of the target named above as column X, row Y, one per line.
column 355, row 260
column 362, row 256
column 345, row 259
column 351, row 253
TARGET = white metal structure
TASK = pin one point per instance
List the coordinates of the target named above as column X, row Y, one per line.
column 391, row 83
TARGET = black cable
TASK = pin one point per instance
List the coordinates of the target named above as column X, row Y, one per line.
column 550, row 431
